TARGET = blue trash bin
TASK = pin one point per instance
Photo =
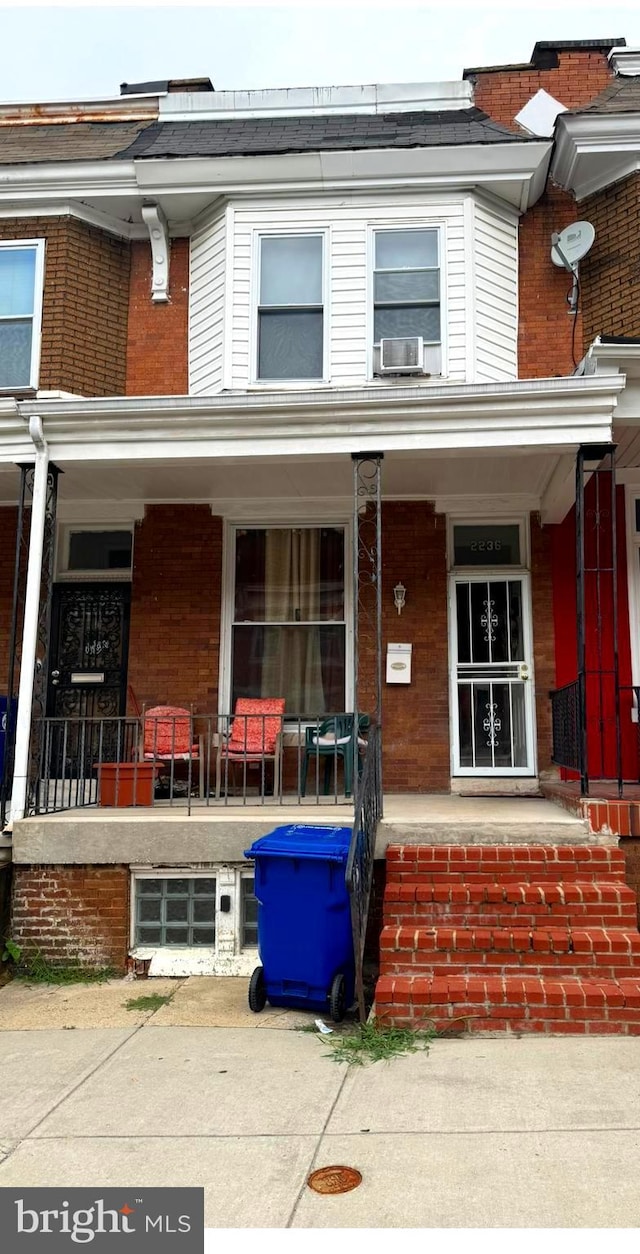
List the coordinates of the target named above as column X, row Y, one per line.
column 305, row 940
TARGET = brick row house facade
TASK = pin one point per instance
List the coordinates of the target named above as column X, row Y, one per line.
column 230, row 324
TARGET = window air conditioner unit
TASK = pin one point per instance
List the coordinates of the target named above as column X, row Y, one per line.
column 402, row 356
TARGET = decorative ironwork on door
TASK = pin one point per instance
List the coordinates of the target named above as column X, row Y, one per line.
column 492, row 675
column 88, row 674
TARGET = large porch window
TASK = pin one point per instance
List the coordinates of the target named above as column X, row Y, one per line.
column 288, row 635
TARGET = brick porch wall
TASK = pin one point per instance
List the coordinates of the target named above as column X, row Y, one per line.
column 416, row 717
column 84, row 315
column 72, row 914
column 175, row 629
column 544, row 647
column 175, row 607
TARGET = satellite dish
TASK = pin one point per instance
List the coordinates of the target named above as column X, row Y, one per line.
column 571, row 245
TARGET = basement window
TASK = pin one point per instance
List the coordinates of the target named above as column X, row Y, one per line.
column 21, row 279
column 176, row 912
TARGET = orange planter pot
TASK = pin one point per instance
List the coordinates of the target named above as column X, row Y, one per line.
column 125, row 784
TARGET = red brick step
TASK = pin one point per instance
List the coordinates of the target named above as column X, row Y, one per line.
column 473, row 1003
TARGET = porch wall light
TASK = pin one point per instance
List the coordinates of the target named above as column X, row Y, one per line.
column 399, row 597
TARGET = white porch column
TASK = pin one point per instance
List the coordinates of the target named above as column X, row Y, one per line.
column 30, row 625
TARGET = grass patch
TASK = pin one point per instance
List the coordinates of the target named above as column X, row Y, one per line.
column 34, row 969
column 375, row 1041
column 149, row 1001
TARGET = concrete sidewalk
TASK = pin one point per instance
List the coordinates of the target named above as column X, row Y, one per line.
column 478, row 1133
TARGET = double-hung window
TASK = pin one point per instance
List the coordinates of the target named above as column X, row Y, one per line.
column 21, row 270
column 289, row 618
column 406, row 287
column 291, row 307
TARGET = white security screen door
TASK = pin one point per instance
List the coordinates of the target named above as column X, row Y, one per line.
column 492, row 703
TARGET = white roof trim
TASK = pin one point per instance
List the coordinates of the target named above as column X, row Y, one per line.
column 515, row 172
column 285, row 102
column 549, row 413
column 594, row 150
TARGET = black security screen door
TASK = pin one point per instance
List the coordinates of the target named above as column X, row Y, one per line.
column 89, row 649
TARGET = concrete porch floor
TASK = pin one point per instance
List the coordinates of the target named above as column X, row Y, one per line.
column 167, row 835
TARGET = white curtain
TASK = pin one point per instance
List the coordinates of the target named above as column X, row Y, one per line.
column 292, row 665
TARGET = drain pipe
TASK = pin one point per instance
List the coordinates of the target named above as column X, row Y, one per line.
column 30, row 625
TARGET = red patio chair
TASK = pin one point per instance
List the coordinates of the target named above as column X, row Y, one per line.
column 253, row 740
column 168, row 736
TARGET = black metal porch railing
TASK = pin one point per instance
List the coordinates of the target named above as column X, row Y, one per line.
column 567, row 727
column 190, row 760
column 599, row 760
column 359, row 873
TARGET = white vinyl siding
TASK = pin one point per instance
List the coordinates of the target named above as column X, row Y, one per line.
column 206, row 309
column 349, row 310
column 478, row 260
column 496, row 294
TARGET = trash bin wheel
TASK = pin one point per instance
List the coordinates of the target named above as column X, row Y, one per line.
column 257, row 991
column 338, row 999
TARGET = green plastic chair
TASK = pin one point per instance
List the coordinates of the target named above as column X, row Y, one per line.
column 332, row 740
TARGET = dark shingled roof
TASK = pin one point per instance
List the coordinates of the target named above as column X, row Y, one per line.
column 236, row 137
column 73, row 141
column 621, row 95
column 244, row 137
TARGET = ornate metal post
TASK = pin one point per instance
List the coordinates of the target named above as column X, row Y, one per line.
column 367, row 582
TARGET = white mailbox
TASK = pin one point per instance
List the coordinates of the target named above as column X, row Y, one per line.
column 399, row 663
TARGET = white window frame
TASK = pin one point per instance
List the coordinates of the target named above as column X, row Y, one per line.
column 324, row 234
column 521, row 521
column 228, row 596
column 480, row 572
column 66, row 530
column 38, row 246
column 374, row 228
column 228, row 949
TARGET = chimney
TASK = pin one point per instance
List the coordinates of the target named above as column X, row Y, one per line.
column 160, row 87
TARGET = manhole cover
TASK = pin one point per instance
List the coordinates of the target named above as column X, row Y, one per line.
column 334, row 1179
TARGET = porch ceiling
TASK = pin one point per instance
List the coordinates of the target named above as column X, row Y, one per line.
column 227, row 484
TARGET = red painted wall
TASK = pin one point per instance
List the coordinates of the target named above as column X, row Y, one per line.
column 600, row 705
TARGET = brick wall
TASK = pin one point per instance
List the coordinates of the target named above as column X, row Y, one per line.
column 416, row 717
column 72, row 914
column 84, row 315
column 610, row 273
column 175, row 607
column 543, row 634
column 158, row 334
column 546, row 341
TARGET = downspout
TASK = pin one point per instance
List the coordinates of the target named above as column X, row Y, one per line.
column 30, row 625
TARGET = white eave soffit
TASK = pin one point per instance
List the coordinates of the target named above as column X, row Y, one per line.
column 514, row 172
column 595, row 150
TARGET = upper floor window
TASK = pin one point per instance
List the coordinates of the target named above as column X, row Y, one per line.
column 21, row 270
column 406, row 285
column 291, row 307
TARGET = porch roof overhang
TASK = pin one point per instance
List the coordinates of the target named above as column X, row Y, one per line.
column 554, row 414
